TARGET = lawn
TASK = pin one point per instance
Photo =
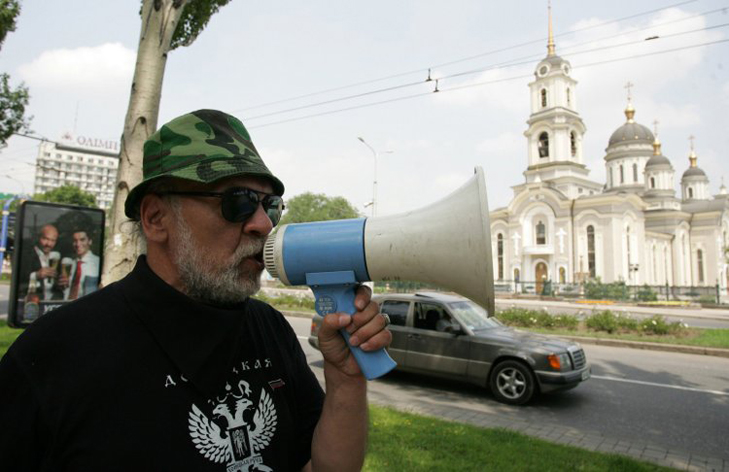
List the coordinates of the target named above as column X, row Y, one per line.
column 7, row 336
column 407, row 442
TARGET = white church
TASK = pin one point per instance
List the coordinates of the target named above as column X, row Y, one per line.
column 563, row 227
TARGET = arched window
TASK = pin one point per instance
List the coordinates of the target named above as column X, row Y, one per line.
column 573, row 143
column 500, row 254
column 635, row 172
column 622, row 174
column 562, row 272
column 591, row 250
column 516, row 275
column 544, row 97
column 544, row 145
column 541, row 233
column 690, row 192
column 569, row 97
column 653, row 182
column 700, row 264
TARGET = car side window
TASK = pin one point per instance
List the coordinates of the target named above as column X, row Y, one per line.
column 431, row 317
column 397, row 311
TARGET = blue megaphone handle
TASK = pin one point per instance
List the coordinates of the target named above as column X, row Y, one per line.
column 335, row 292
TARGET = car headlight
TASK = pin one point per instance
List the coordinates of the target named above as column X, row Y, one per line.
column 560, row 361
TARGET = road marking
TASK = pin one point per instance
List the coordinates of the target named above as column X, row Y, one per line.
column 653, row 384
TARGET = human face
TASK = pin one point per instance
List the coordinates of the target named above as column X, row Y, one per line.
column 81, row 243
column 48, row 238
column 218, row 262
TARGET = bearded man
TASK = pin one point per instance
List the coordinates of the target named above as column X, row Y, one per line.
column 175, row 367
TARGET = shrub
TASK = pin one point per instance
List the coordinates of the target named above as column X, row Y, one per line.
column 645, row 294
column 658, row 325
column 597, row 290
column 537, row 319
column 602, row 321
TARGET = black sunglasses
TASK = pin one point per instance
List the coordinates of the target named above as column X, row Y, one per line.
column 240, row 203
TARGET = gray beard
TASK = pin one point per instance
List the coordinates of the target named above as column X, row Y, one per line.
column 215, row 282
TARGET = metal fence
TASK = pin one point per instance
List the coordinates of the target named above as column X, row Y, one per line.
column 612, row 291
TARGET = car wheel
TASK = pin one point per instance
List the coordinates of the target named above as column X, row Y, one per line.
column 512, row 382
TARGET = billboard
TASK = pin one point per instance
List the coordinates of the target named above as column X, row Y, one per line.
column 57, row 258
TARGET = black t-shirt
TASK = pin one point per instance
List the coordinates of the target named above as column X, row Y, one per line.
column 138, row 376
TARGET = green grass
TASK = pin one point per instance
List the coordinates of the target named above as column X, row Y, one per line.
column 718, row 338
column 406, row 442
column 7, row 336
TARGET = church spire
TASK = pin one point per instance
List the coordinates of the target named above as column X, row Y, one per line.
column 656, row 142
column 550, row 41
column 693, row 157
column 629, row 110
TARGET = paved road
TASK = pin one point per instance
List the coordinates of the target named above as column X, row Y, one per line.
column 640, row 403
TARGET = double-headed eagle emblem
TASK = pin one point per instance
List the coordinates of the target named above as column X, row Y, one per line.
column 239, row 444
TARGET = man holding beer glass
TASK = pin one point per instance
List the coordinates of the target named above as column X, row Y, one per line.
column 175, row 367
column 80, row 274
column 41, row 264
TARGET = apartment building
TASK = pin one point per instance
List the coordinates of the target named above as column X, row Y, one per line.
column 89, row 164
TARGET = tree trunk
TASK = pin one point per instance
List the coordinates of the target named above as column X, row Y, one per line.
column 159, row 20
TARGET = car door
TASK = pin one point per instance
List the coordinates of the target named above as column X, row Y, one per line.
column 398, row 311
column 433, row 350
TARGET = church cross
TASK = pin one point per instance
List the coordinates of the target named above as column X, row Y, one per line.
column 628, row 86
column 655, row 127
column 691, row 139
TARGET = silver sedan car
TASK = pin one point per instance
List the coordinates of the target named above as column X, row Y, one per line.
column 453, row 337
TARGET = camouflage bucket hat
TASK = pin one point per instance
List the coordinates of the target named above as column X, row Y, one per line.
column 202, row 146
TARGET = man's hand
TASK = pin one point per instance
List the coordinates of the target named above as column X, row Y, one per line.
column 63, row 281
column 45, row 273
column 367, row 329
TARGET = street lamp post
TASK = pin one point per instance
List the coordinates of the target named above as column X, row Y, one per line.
column 374, row 181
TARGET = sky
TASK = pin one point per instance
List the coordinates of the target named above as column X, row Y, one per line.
column 272, row 64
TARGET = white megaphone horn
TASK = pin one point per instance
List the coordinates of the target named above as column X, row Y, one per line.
column 447, row 244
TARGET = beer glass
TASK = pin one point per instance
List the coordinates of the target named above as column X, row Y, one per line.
column 66, row 264
column 53, row 259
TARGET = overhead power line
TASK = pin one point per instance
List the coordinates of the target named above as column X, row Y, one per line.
column 476, row 56
column 479, row 84
column 512, row 63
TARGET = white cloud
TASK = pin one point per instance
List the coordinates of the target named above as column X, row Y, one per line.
column 100, row 68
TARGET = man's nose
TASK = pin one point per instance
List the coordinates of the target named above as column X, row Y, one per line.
column 259, row 223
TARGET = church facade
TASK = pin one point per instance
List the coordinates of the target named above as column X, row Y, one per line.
column 563, row 227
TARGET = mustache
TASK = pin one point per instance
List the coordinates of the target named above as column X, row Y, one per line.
column 252, row 246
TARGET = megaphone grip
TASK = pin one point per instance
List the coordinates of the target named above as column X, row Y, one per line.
column 339, row 297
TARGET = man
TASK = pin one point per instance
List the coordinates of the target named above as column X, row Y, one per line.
column 84, row 276
column 174, row 367
column 37, row 266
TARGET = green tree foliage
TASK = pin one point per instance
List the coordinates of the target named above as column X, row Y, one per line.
column 69, row 194
column 317, row 207
column 13, row 101
column 9, row 11
column 194, row 19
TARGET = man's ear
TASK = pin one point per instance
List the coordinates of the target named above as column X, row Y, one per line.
column 155, row 216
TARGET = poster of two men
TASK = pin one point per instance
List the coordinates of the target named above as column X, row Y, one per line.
column 57, row 258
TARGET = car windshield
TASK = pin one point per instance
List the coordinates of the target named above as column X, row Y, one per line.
column 473, row 316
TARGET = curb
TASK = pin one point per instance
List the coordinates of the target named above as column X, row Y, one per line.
column 705, row 351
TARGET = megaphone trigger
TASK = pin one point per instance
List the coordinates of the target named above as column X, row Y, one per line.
column 335, row 292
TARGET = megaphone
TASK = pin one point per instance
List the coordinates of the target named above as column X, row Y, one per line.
column 447, row 244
